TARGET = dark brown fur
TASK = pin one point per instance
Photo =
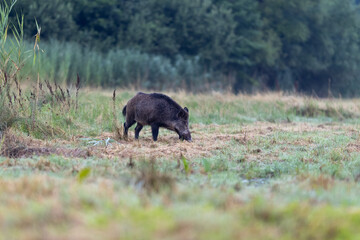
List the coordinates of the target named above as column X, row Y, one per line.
column 156, row 110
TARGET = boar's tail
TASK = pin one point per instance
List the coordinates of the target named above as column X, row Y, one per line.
column 124, row 111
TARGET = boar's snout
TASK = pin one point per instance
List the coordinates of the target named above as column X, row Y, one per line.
column 187, row 136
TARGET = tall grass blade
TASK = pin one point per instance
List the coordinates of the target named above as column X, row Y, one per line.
column 186, row 164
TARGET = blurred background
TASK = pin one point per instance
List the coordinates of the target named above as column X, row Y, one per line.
column 307, row 46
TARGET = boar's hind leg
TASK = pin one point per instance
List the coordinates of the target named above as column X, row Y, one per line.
column 137, row 130
column 127, row 125
column 155, row 131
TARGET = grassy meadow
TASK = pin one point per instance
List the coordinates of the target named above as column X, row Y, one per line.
column 266, row 166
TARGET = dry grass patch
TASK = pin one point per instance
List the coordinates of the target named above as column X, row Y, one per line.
column 168, row 146
column 353, row 147
column 208, row 139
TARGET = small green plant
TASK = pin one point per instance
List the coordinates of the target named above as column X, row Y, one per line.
column 186, row 164
column 83, row 174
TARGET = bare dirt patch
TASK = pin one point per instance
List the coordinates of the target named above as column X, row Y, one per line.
column 15, row 146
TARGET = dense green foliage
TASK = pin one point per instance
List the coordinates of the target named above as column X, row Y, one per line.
column 269, row 44
column 61, row 62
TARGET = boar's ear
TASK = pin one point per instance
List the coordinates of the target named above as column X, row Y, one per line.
column 186, row 109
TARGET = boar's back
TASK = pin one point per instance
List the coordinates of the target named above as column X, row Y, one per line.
column 154, row 108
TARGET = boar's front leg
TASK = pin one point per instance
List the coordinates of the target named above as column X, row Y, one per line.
column 137, row 130
column 155, row 131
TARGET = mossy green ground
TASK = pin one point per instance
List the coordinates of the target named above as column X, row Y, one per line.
column 274, row 167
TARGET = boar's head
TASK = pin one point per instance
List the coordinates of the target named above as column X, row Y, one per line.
column 182, row 124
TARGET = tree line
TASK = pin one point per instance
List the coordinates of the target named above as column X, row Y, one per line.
column 308, row 46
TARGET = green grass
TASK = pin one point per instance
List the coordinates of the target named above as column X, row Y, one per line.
column 95, row 111
column 269, row 179
column 62, row 61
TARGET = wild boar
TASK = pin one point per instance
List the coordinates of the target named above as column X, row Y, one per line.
column 156, row 110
